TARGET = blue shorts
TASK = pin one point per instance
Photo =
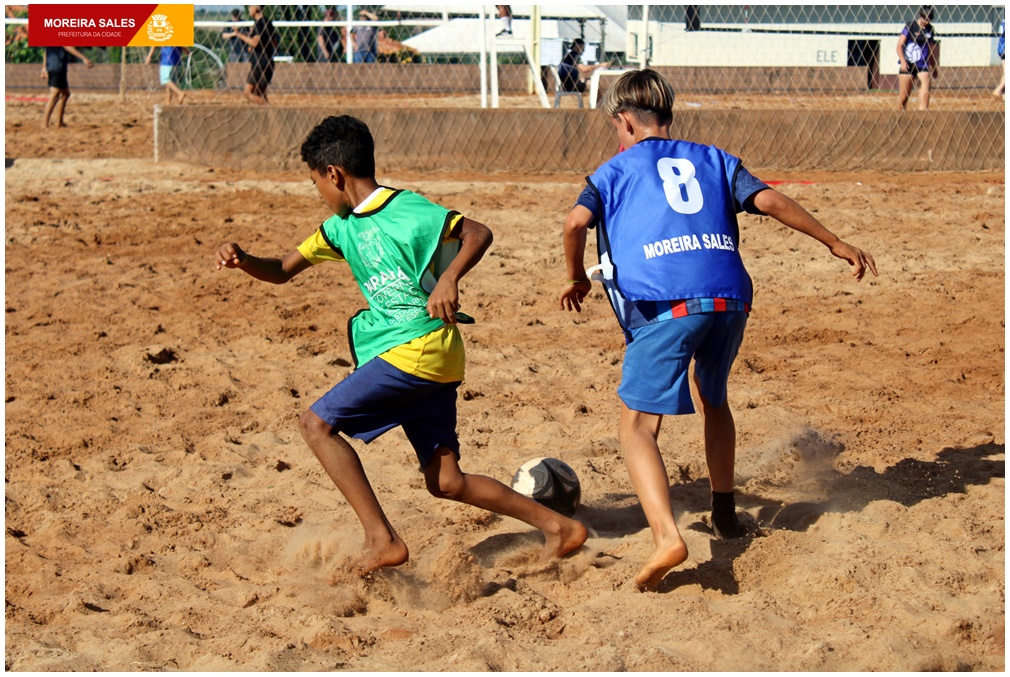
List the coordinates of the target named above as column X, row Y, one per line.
column 655, row 374
column 377, row 397
column 167, row 74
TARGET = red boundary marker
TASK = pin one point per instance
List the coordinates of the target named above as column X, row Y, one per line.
column 779, row 183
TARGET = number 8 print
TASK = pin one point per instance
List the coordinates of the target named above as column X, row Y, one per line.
column 683, row 191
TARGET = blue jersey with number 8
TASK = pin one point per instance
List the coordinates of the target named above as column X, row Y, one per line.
column 668, row 222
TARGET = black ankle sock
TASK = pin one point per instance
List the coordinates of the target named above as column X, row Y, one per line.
column 724, row 499
column 724, row 521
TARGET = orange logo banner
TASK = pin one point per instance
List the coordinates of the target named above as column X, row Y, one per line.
column 167, row 25
column 86, row 25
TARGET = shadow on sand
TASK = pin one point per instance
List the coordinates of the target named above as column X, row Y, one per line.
column 908, row 482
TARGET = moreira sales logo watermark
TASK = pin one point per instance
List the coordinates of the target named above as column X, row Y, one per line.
column 110, row 25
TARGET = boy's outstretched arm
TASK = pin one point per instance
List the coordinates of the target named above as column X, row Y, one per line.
column 577, row 285
column 77, row 53
column 276, row 271
column 786, row 210
column 475, row 238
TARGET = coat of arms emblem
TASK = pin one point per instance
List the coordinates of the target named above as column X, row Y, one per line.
column 158, row 28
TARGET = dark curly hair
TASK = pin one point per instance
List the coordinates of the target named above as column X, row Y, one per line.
column 343, row 142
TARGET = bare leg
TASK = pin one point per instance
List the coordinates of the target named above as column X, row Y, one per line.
column 639, row 433
column 720, row 455
column 444, row 479
column 174, row 89
column 925, row 84
column 904, row 89
column 720, row 443
column 61, row 106
column 253, row 94
column 383, row 547
column 54, row 96
column 999, row 91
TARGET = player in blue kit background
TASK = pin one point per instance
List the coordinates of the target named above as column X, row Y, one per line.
column 665, row 214
column 918, row 58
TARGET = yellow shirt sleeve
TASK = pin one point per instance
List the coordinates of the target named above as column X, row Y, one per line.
column 315, row 250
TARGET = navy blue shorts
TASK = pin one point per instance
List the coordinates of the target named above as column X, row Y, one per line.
column 377, row 397
column 656, row 362
column 58, row 80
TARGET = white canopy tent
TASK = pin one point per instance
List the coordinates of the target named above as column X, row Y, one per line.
column 604, row 24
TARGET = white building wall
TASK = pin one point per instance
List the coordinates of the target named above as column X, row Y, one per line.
column 674, row 46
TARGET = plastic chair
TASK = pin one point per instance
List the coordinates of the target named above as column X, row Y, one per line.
column 560, row 91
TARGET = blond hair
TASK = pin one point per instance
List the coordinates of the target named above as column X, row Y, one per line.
column 645, row 93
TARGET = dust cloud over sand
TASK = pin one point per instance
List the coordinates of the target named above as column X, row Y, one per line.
column 162, row 512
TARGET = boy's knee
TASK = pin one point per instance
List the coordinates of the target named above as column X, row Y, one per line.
column 445, row 487
column 313, row 427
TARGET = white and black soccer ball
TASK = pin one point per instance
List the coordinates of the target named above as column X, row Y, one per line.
column 551, row 483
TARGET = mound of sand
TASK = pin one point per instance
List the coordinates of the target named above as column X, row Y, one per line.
column 162, row 512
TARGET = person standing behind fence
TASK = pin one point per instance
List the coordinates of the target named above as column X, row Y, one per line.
column 1001, row 50
column 237, row 53
column 366, row 46
column 262, row 44
column 329, row 40
column 505, row 16
column 55, row 70
column 572, row 73
column 918, row 57
column 168, row 70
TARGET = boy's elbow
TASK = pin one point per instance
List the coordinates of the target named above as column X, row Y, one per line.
column 769, row 201
column 576, row 222
column 477, row 233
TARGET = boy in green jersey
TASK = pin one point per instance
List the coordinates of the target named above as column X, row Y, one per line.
column 407, row 255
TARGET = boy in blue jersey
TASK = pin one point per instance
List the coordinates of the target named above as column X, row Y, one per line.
column 665, row 213
column 918, row 58
column 407, row 256
column 168, row 71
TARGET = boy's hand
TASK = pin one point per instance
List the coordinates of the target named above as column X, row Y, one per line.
column 856, row 257
column 444, row 301
column 89, row 63
column 230, row 256
column 573, row 294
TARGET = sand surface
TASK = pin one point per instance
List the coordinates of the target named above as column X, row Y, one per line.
column 163, row 513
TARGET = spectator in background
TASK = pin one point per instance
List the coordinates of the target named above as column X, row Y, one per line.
column 366, row 46
column 329, row 40
column 505, row 16
column 918, row 57
column 237, row 52
column 55, row 70
column 168, row 70
column 572, row 73
column 1001, row 50
column 262, row 44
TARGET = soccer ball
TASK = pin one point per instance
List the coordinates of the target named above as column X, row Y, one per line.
column 549, row 482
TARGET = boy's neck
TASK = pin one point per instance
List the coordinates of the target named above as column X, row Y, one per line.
column 358, row 190
column 651, row 132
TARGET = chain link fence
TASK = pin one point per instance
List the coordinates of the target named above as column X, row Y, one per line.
column 802, row 59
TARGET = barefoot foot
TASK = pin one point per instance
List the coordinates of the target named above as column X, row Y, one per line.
column 569, row 536
column 389, row 554
column 664, row 558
